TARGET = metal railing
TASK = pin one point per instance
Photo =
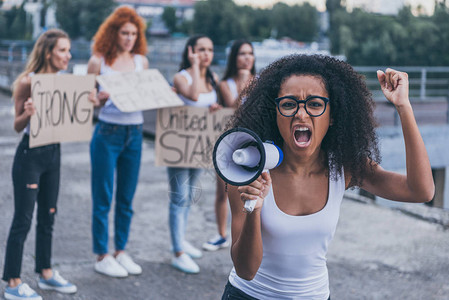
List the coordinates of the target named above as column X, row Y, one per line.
column 429, row 91
column 426, row 83
column 429, row 86
column 18, row 51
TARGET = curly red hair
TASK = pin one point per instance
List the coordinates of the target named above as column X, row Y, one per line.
column 105, row 40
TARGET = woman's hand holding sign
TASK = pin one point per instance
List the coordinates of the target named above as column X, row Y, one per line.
column 98, row 99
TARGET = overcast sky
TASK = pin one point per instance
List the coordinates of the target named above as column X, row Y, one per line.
column 321, row 4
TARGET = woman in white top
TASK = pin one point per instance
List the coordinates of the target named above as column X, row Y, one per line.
column 196, row 85
column 240, row 70
column 319, row 110
column 35, row 176
column 119, row 46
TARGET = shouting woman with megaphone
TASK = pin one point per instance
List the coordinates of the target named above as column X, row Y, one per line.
column 320, row 112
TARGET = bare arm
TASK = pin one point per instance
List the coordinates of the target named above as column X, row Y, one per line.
column 247, row 248
column 146, row 63
column 24, row 107
column 94, row 67
column 417, row 185
column 192, row 91
column 225, row 94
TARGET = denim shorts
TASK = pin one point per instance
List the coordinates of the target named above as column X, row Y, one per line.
column 233, row 293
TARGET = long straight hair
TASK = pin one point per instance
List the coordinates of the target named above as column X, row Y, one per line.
column 37, row 61
column 185, row 62
column 231, row 67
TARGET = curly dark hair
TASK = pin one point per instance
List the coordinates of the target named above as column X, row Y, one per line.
column 350, row 142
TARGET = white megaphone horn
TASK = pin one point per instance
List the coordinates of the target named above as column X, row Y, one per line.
column 240, row 157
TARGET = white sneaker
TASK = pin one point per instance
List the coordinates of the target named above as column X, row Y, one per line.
column 215, row 243
column 110, row 267
column 22, row 291
column 57, row 283
column 185, row 264
column 191, row 250
column 126, row 262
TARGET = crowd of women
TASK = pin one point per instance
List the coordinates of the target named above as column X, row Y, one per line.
column 316, row 108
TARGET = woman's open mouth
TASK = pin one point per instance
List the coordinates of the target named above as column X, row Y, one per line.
column 302, row 136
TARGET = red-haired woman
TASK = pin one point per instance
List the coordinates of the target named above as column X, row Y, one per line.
column 119, row 46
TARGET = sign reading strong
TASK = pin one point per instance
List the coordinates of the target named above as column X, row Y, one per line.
column 63, row 111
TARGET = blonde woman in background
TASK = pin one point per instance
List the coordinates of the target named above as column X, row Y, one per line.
column 35, row 176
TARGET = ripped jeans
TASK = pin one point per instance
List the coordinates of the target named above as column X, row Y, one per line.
column 35, row 175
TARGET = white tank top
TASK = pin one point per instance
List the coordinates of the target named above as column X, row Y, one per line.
column 204, row 99
column 109, row 112
column 294, row 251
column 232, row 87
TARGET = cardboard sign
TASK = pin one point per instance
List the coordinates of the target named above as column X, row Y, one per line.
column 185, row 136
column 137, row 91
column 63, row 111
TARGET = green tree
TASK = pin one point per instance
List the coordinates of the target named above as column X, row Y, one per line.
column 218, row 19
column 259, row 24
column 333, row 6
column 43, row 14
column 337, row 16
column 224, row 21
column 93, row 14
column 2, row 26
column 425, row 39
column 67, row 15
column 15, row 24
column 347, row 43
column 186, row 27
column 441, row 17
column 169, row 18
column 404, row 39
column 297, row 22
column 81, row 18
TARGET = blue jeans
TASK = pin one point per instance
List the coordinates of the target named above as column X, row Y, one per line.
column 114, row 148
column 35, row 177
column 184, row 191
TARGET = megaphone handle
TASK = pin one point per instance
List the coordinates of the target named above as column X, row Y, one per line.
column 249, row 205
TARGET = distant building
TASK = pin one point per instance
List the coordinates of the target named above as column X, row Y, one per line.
column 8, row 4
column 385, row 7
column 148, row 9
column 33, row 8
column 390, row 7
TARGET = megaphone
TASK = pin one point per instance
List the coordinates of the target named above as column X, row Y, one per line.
column 240, row 157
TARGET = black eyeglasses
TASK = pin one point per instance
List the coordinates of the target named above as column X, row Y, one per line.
column 314, row 106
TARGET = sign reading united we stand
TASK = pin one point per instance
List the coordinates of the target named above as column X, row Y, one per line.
column 185, row 136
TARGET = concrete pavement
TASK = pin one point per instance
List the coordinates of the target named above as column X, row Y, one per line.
column 377, row 253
